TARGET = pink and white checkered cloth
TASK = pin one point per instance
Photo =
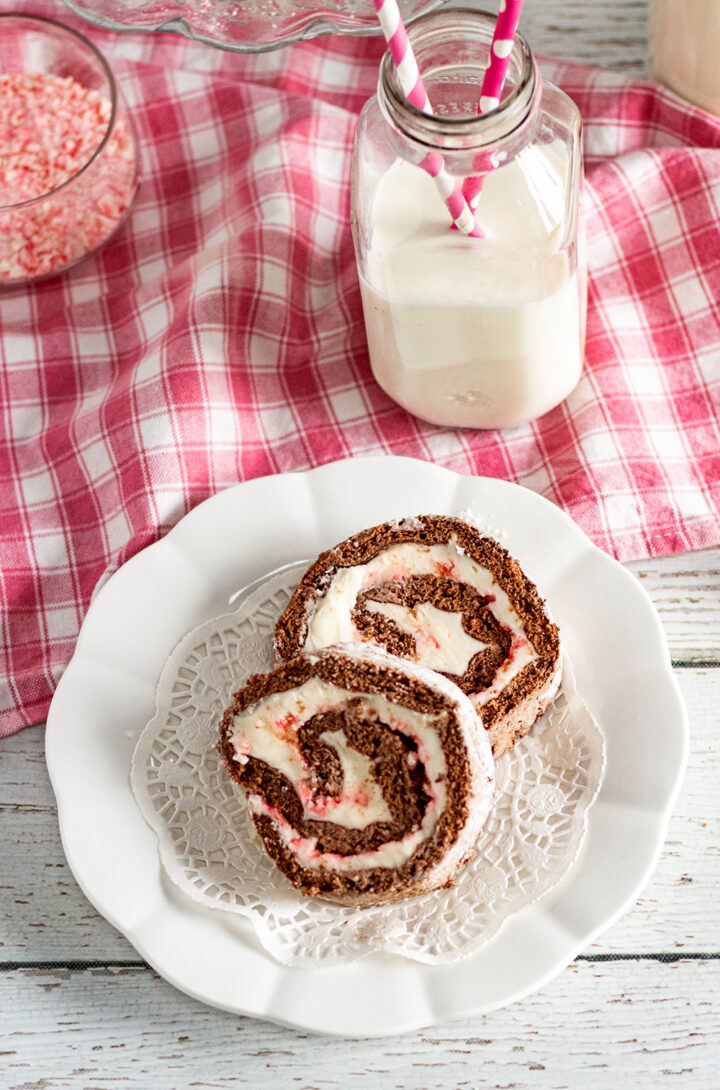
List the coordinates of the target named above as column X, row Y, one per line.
column 220, row 337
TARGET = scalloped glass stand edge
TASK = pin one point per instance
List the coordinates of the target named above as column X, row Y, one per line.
column 243, row 26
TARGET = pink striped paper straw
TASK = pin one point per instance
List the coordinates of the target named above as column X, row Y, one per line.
column 492, row 85
column 413, row 88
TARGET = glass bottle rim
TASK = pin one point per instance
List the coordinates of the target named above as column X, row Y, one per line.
column 467, row 132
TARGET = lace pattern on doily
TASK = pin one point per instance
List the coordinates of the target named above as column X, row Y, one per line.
column 209, row 847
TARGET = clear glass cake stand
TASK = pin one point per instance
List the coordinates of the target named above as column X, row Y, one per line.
column 243, row 26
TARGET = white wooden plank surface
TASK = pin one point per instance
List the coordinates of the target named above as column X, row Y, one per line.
column 613, row 35
column 599, row 1025
column 686, row 592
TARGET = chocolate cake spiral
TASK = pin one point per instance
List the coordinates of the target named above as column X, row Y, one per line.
column 434, row 590
column 366, row 777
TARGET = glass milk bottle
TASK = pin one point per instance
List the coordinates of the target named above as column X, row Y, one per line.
column 685, row 49
column 468, row 332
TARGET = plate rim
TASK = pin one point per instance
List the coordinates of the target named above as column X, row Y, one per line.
column 196, row 515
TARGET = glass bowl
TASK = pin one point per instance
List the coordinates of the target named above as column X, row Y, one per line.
column 64, row 125
column 244, row 26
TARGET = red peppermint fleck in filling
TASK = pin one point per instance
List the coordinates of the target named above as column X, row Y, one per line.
column 49, row 127
column 518, row 644
column 286, row 723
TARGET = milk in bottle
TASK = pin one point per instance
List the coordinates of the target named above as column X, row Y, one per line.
column 479, row 333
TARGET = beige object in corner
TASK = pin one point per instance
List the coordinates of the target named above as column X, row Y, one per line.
column 685, row 49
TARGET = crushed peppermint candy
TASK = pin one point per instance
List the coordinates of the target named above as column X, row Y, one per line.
column 50, row 126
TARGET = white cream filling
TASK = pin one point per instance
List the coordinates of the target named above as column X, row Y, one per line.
column 392, row 855
column 361, row 801
column 268, row 731
column 331, row 620
column 441, row 641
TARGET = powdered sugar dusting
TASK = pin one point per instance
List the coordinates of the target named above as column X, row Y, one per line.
column 411, row 522
column 483, row 522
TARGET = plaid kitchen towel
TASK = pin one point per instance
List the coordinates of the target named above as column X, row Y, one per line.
column 219, row 336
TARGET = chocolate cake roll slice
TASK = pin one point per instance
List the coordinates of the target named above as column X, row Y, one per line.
column 435, row 591
column 366, row 776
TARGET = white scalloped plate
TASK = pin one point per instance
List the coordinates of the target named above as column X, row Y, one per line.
column 107, row 695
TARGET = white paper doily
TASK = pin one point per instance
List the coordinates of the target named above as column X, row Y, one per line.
column 209, row 847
